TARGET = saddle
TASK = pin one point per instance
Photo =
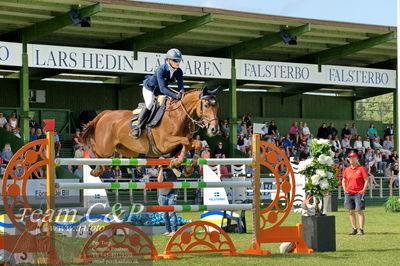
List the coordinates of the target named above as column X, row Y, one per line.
column 156, row 114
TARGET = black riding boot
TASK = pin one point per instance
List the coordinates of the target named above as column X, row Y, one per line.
column 136, row 131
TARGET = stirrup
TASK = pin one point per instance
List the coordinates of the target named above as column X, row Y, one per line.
column 136, row 132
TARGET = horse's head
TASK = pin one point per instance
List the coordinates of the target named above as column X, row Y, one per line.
column 207, row 111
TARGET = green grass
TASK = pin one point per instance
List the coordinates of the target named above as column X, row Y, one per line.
column 379, row 245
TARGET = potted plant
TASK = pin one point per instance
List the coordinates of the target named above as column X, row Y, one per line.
column 320, row 174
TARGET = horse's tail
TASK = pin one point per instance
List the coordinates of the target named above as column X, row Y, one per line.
column 88, row 131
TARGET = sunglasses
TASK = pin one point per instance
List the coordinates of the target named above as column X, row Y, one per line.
column 176, row 60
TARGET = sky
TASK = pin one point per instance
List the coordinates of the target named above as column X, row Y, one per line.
column 376, row 12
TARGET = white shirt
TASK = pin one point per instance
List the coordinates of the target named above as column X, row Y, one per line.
column 366, row 144
column 357, row 144
column 306, row 131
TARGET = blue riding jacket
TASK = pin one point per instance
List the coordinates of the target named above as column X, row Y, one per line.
column 158, row 83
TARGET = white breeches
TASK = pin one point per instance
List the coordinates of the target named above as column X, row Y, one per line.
column 148, row 98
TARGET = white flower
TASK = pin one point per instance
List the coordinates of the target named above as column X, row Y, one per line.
column 329, row 161
column 324, row 184
column 302, row 166
column 329, row 174
column 331, row 153
column 322, row 141
column 315, row 179
column 320, row 172
column 309, row 162
column 322, row 159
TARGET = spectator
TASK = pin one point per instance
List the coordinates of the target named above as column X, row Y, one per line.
column 7, row 154
column 218, row 150
column 3, row 120
column 306, row 131
column 372, row 178
column 79, row 153
column 336, row 144
column 203, row 142
column 346, row 131
column 388, row 143
column 346, row 143
column 79, row 171
column 378, row 146
column 395, row 176
column 57, row 143
column 322, row 132
column 242, row 129
column 394, row 158
column 8, row 127
column 15, row 131
column 301, row 126
column 247, row 120
column 117, row 172
column 273, row 130
column 264, row 129
column 13, row 120
column 381, row 164
column 33, row 123
column 294, row 132
column 247, row 142
column 77, row 139
column 206, row 153
column 19, row 171
column 389, row 132
column 108, row 175
column 167, row 197
column 152, row 173
column 304, row 155
column 372, row 133
column 369, row 159
column 287, row 144
column 343, row 156
column 32, row 134
column 332, row 130
column 225, row 129
column 367, row 143
column 388, row 174
column 137, row 174
column 39, row 133
column 353, row 131
column 38, row 173
column 240, row 144
column 358, row 145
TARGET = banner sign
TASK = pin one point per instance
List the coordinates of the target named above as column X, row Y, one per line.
column 117, row 61
column 308, row 73
column 73, row 58
column 10, row 54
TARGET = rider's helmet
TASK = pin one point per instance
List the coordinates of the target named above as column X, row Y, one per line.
column 174, row 54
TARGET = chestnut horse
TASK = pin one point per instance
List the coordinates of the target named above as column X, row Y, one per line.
column 109, row 131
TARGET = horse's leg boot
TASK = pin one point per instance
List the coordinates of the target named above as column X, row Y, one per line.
column 136, row 131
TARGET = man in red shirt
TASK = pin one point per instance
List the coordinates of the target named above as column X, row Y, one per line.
column 355, row 182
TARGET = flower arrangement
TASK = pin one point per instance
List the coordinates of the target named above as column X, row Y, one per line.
column 319, row 171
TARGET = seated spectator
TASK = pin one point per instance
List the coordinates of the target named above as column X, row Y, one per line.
column 79, row 153
column 388, row 143
column 152, row 173
column 336, row 144
column 108, row 175
column 369, row 159
column 394, row 158
column 306, row 131
column 39, row 133
column 3, row 120
column 38, row 173
column 32, row 134
column 309, row 140
column 372, row 133
column 273, row 130
column 264, row 129
column 294, row 132
column 77, row 139
column 332, row 130
column 18, row 171
column 57, row 143
column 7, row 127
column 287, row 144
column 137, row 174
column 218, row 150
column 301, row 126
column 240, row 144
column 358, row 145
column 79, row 171
column 294, row 157
column 381, row 164
column 242, row 129
column 304, row 155
column 372, row 178
column 247, row 120
column 395, row 176
column 206, row 153
column 247, row 142
column 389, row 132
column 367, row 143
column 225, row 129
column 346, row 143
column 353, row 131
column 322, row 132
column 117, row 172
column 346, row 131
column 7, row 154
column 15, row 131
column 343, row 156
column 13, row 120
column 378, row 146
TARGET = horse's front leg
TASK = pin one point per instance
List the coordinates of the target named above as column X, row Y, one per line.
column 175, row 141
column 196, row 145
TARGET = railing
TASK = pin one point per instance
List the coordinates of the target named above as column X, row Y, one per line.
column 389, row 191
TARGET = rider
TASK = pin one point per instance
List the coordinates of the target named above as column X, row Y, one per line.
column 157, row 84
